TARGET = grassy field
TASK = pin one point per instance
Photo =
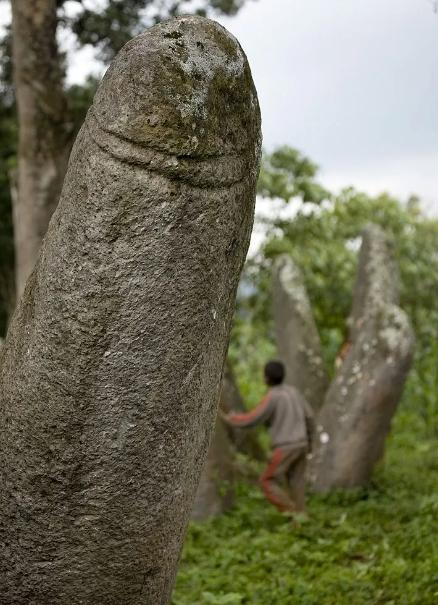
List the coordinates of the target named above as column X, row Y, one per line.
column 375, row 546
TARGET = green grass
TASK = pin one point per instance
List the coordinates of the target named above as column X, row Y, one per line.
column 374, row 546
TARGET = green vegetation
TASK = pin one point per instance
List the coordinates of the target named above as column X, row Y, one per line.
column 323, row 238
column 374, row 546
column 364, row 547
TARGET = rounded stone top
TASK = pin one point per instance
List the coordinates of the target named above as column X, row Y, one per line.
column 182, row 88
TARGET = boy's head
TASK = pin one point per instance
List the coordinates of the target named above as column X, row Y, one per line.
column 274, row 373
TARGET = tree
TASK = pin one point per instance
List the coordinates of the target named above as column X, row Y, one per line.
column 44, row 132
column 324, row 239
column 46, row 125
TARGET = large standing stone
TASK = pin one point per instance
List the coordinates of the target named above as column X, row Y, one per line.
column 111, row 369
column 298, row 341
column 355, row 419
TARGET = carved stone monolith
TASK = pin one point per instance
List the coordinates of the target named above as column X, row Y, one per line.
column 110, row 372
column 356, row 417
column 298, row 341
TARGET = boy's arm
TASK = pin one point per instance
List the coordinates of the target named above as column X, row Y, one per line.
column 258, row 415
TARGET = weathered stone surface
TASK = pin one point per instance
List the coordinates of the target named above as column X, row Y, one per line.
column 356, row 416
column 377, row 278
column 298, row 341
column 231, row 400
column 111, row 369
column 215, row 492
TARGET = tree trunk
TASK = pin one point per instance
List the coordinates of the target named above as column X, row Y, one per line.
column 44, row 135
column 298, row 341
column 110, row 373
column 356, row 417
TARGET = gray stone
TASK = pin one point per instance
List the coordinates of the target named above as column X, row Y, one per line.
column 111, row 368
column 215, row 493
column 356, row 417
column 298, row 340
column 377, row 277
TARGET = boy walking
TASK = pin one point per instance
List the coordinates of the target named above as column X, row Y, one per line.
column 290, row 420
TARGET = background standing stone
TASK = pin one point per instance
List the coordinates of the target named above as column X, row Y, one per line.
column 356, row 417
column 298, row 341
column 215, row 492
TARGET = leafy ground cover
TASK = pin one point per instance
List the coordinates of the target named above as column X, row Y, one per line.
column 374, row 546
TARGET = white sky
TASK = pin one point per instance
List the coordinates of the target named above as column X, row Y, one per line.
column 351, row 83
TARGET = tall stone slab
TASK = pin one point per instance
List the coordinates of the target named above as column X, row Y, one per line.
column 374, row 281
column 298, row 340
column 356, row 417
column 110, row 373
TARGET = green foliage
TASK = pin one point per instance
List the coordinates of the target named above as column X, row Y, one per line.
column 374, row 546
column 107, row 27
column 80, row 97
column 286, row 174
column 323, row 238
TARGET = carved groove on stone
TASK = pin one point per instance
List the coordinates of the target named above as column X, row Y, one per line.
column 204, row 172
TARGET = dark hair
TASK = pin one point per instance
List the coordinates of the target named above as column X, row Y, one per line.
column 274, row 373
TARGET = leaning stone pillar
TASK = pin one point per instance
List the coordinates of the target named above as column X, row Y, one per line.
column 298, row 341
column 215, row 493
column 110, row 373
column 356, row 417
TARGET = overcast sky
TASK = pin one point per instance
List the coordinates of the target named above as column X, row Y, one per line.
column 353, row 84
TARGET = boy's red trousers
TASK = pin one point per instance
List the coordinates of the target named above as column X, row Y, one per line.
column 284, row 480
